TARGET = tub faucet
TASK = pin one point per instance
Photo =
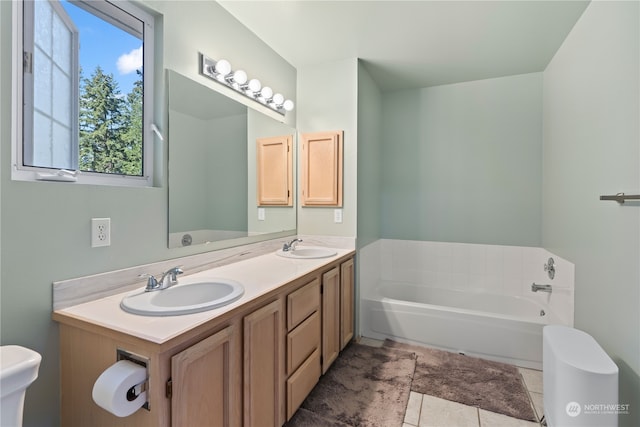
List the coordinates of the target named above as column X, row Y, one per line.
column 291, row 246
column 169, row 278
column 542, row 288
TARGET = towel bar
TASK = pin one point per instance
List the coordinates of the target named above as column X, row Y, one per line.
column 621, row 197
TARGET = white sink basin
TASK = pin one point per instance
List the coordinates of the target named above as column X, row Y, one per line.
column 308, row 252
column 184, row 298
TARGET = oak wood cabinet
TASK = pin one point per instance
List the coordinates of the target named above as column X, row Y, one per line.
column 303, row 343
column 251, row 366
column 321, row 169
column 347, row 302
column 205, row 388
column 330, row 317
column 337, row 311
column 274, row 171
column 263, row 392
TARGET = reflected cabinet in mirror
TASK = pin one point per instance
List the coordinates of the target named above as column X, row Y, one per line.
column 216, row 168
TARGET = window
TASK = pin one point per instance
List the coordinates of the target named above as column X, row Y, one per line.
column 83, row 90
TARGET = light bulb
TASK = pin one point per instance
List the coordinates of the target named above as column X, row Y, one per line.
column 254, row 86
column 288, row 105
column 266, row 92
column 277, row 99
column 223, row 67
column 240, row 77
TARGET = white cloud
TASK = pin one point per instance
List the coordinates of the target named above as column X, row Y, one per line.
column 130, row 62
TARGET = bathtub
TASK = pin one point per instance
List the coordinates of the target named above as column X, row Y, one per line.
column 496, row 327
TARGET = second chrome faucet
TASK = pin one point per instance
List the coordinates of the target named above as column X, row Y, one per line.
column 291, row 246
column 169, row 278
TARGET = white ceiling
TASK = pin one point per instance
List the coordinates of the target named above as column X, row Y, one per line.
column 411, row 44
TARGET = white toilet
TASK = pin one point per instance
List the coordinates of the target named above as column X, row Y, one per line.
column 580, row 381
column 18, row 369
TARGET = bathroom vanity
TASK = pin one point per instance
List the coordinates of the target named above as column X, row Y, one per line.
column 250, row 363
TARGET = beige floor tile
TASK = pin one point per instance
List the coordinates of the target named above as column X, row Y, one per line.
column 443, row 413
column 492, row 419
column 532, row 379
column 412, row 414
column 538, row 403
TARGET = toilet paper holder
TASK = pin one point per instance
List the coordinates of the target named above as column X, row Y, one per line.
column 134, row 391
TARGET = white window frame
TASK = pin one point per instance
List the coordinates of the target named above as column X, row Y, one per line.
column 20, row 172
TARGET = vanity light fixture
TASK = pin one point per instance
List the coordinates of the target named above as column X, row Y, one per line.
column 221, row 72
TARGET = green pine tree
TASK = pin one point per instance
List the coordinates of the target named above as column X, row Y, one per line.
column 132, row 137
column 107, row 119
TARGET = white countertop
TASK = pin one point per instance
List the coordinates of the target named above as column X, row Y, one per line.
column 258, row 275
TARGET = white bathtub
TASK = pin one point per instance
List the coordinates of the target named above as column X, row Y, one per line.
column 497, row 327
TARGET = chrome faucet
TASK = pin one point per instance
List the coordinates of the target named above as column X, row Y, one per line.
column 542, row 288
column 169, row 278
column 291, row 246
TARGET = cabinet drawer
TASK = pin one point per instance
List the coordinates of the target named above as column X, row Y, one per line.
column 300, row 384
column 302, row 341
column 303, row 302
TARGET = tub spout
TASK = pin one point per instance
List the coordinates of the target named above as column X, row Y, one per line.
column 542, row 288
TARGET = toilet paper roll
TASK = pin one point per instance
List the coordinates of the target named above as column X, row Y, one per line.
column 118, row 388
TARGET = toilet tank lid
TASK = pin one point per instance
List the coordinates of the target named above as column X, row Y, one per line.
column 14, row 358
column 578, row 349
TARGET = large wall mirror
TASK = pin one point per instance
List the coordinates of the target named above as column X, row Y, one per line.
column 212, row 169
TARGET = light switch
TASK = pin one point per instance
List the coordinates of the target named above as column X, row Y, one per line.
column 337, row 216
column 260, row 214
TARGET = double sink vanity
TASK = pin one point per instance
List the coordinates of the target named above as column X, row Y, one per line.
column 239, row 334
column 240, row 344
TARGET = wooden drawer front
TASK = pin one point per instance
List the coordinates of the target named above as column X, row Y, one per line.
column 300, row 384
column 303, row 302
column 302, row 341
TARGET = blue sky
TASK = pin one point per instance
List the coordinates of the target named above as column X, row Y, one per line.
column 103, row 44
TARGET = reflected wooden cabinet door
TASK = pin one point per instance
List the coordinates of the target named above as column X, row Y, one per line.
column 206, row 382
column 321, row 166
column 264, row 366
column 274, row 171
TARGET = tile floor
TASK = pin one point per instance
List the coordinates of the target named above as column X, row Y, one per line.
column 428, row 411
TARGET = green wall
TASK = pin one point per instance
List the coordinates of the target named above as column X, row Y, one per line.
column 591, row 148
column 327, row 101
column 203, row 168
column 46, row 225
column 462, row 162
column 369, row 158
column 225, row 178
column 189, row 175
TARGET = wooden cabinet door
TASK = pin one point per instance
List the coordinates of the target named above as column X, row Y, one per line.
column 346, row 302
column 206, row 384
column 330, row 317
column 321, row 169
column 263, row 366
column 274, row 171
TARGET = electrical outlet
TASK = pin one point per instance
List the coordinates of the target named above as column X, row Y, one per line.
column 100, row 232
